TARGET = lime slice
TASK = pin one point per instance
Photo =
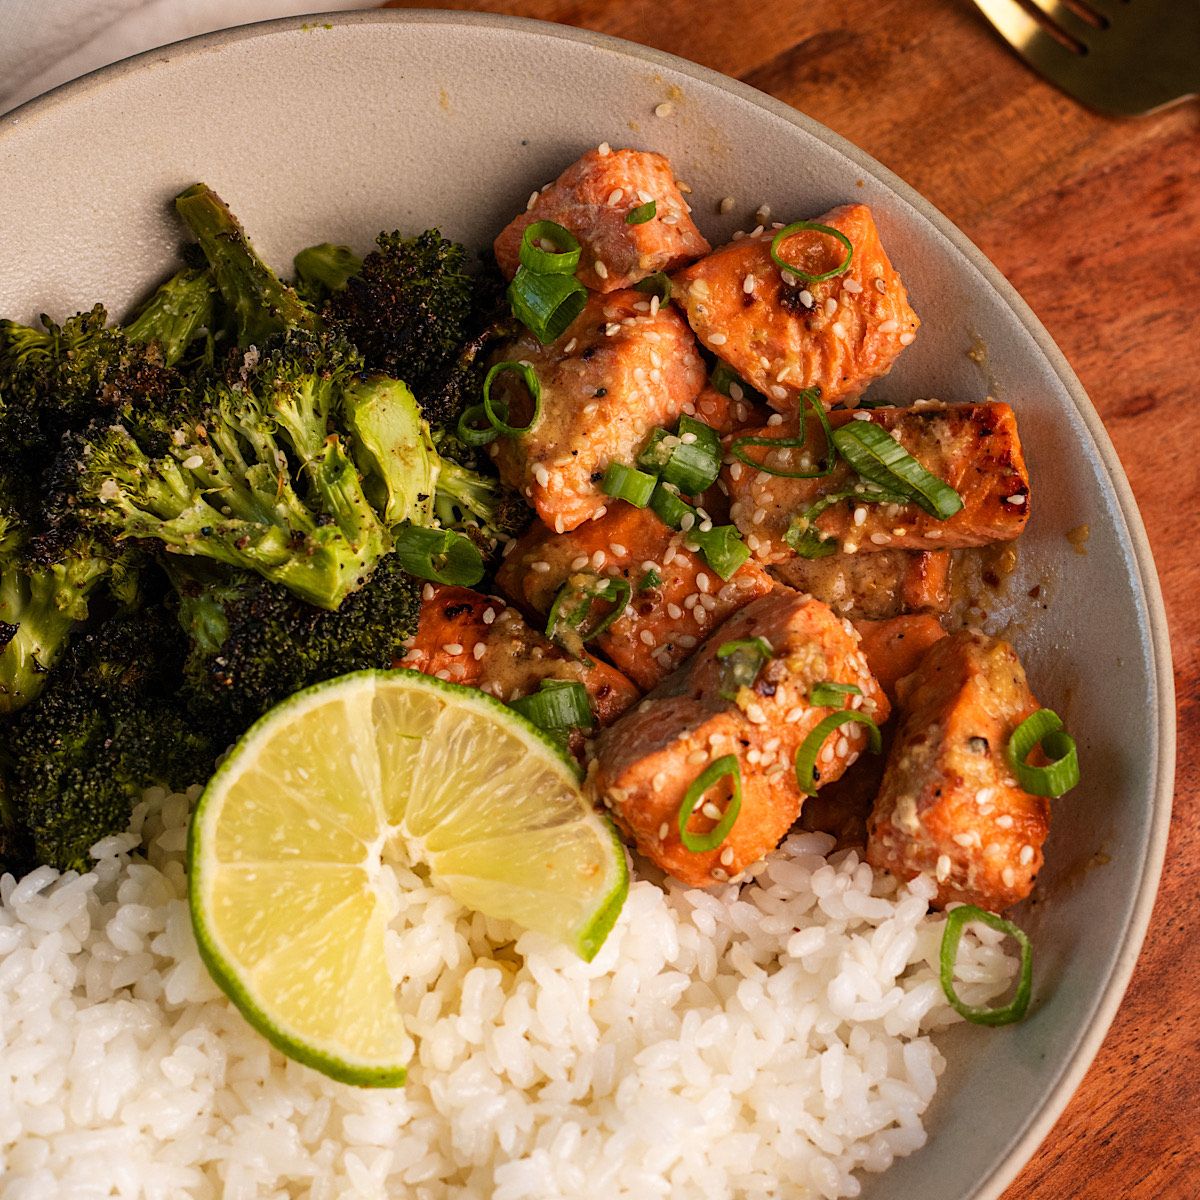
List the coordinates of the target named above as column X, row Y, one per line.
column 286, row 844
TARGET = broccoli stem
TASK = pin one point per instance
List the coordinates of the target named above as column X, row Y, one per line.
column 261, row 302
column 325, row 268
column 176, row 314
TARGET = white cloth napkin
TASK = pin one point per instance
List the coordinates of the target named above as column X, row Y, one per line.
column 46, row 42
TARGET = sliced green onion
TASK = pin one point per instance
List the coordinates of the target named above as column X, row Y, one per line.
column 697, row 843
column 1016, row 1008
column 497, row 411
column 658, row 284
column 562, row 261
column 808, row 541
column 651, row 579
column 546, row 304
column 806, row 756
column 827, row 694
column 628, row 483
column 559, row 704
column 878, row 457
column 474, row 428
column 668, row 507
column 799, row 227
column 1043, row 728
column 642, row 214
column 439, row 554
column 723, row 376
column 722, row 547
column 741, row 661
column 811, row 398
column 572, row 608
column 690, row 465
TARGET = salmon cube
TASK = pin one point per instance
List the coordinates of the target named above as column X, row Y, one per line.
column 873, row 585
column 974, row 448
column 479, row 641
column 948, row 805
column 618, row 371
column 782, row 335
column 675, row 601
column 593, row 199
column 646, row 762
column 894, row 648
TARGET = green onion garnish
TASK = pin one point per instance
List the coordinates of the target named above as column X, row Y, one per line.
column 497, row 411
column 878, row 457
column 558, row 705
column 722, row 547
column 474, row 428
column 1043, row 727
column 438, row 554
column 658, row 284
column 668, row 507
column 827, row 694
column 562, row 261
column 545, row 304
column 799, row 227
column 806, row 756
column 698, row 843
column 689, row 459
column 642, row 214
column 572, row 608
column 825, row 465
column 651, row 579
column 627, row 483
column 741, row 661
column 809, row 542
column 1016, row 1008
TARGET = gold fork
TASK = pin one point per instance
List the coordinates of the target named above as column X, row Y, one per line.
column 1124, row 57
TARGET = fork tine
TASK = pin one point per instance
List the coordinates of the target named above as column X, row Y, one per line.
column 1023, row 33
column 1069, row 22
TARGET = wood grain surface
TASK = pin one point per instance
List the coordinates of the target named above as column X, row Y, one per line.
column 1097, row 223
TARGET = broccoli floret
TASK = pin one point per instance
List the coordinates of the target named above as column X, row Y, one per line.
column 253, row 643
column 178, row 313
column 261, row 303
column 250, row 471
column 479, row 504
column 321, row 270
column 409, row 309
column 107, row 726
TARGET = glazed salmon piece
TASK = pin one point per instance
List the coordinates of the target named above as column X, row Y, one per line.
column 592, row 198
column 646, row 762
column 478, row 641
column 622, row 368
column 948, row 804
column 837, row 335
column 873, row 585
column 894, row 648
column 676, row 600
column 974, row 448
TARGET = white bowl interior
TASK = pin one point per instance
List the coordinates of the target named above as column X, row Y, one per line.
column 316, row 132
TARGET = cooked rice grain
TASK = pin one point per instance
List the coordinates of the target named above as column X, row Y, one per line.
column 754, row 1042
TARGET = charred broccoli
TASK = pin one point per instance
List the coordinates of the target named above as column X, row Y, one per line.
column 322, row 270
column 253, row 643
column 107, row 726
column 408, row 309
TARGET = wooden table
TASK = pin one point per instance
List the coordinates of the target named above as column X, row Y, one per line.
column 1097, row 223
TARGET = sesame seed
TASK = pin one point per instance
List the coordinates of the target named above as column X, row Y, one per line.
column 1026, row 855
column 849, row 547
column 687, row 521
column 907, row 338
column 479, row 651
column 532, row 200
column 1009, row 876
column 674, row 612
column 577, row 564
column 600, row 269
column 1005, row 821
column 726, row 205
column 1018, row 498
column 838, row 329
column 192, row 462
column 943, row 868
column 727, row 856
column 570, row 346
column 748, row 285
column 559, row 524
column 899, row 531
column 720, row 876
column 453, row 647
column 427, row 592
column 599, row 559
column 653, row 307
column 665, row 109
column 603, row 149
column 702, row 582
column 686, row 641
column 683, row 187
column 441, row 675
column 889, row 326
column 611, row 329
column 660, row 779
column 852, row 286
column 763, row 214
column 964, row 839
column 710, row 810
column 807, row 298
column 933, row 533
column 880, row 286
column 717, row 339
column 540, row 567
column 755, row 714
column 647, row 637
column 779, row 393
column 757, row 230
column 541, row 475
column 831, row 306
column 985, row 795
column 880, row 539
column 615, row 196
column 489, row 615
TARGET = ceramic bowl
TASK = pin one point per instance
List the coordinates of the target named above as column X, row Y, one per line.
column 335, row 128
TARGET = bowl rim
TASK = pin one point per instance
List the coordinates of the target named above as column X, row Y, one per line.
column 1094, row 1025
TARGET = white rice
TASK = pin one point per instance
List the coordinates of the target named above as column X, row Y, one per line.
column 759, row 1042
